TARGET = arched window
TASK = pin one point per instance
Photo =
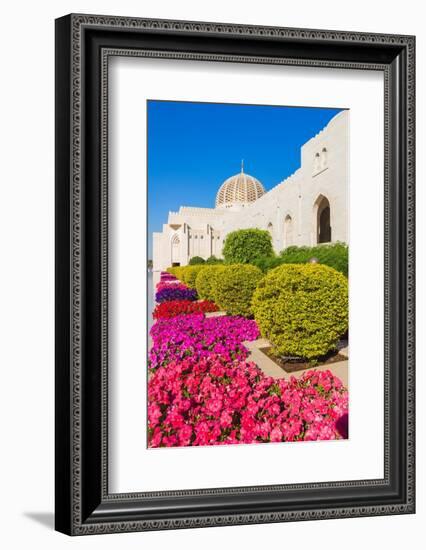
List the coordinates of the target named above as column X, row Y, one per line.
column 288, row 231
column 175, row 249
column 322, row 220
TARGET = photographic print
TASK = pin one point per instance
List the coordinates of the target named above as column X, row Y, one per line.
column 247, row 274
column 228, row 224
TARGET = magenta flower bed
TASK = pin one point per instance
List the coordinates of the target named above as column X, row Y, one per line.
column 203, row 392
column 164, row 276
column 211, row 401
column 197, row 336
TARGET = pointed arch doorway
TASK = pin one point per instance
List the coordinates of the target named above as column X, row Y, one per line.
column 175, row 250
column 322, row 220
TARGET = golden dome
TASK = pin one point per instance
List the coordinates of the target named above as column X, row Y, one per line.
column 239, row 190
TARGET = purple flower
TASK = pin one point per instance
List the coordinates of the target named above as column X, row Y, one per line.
column 175, row 292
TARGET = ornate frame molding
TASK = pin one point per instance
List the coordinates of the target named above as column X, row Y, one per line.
column 77, row 513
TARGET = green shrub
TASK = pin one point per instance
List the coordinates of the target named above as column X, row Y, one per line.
column 189, row 274
column 266, row 264
column 177, row 271
column 205, row 283
column 197, row 260
column 246, row 245
column 212, row 260
column 334, row 255
column 180, row 272
column 234, row 286
column 302, row 309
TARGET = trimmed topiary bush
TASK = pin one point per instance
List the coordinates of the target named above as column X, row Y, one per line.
column 234, row 286
column 189, row 274
column 177, row 271
column 246, row 245
column 302, row 309
column 205, row 283
column 197, row 260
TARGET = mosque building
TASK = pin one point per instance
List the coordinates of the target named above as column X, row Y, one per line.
column 307, row 208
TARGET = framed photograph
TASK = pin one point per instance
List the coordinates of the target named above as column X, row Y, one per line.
column 234, row 274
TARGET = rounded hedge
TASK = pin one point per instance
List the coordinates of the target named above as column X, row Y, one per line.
column 234, row 286
column 189, row 274
column 177, row 271
column 246, row 245
column 197, row 260
column 302, row 309
column 205, row 282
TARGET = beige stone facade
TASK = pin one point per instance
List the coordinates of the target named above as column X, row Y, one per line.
column 309, row 207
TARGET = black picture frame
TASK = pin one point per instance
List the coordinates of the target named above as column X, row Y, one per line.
column 83, row 46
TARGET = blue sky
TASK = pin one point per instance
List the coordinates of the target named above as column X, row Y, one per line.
column 194, row 147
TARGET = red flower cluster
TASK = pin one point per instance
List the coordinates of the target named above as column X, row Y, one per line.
column 166, row 310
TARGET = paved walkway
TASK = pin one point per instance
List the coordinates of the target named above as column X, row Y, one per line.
column 270, row 368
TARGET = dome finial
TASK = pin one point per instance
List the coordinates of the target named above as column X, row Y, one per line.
column 242, row 165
